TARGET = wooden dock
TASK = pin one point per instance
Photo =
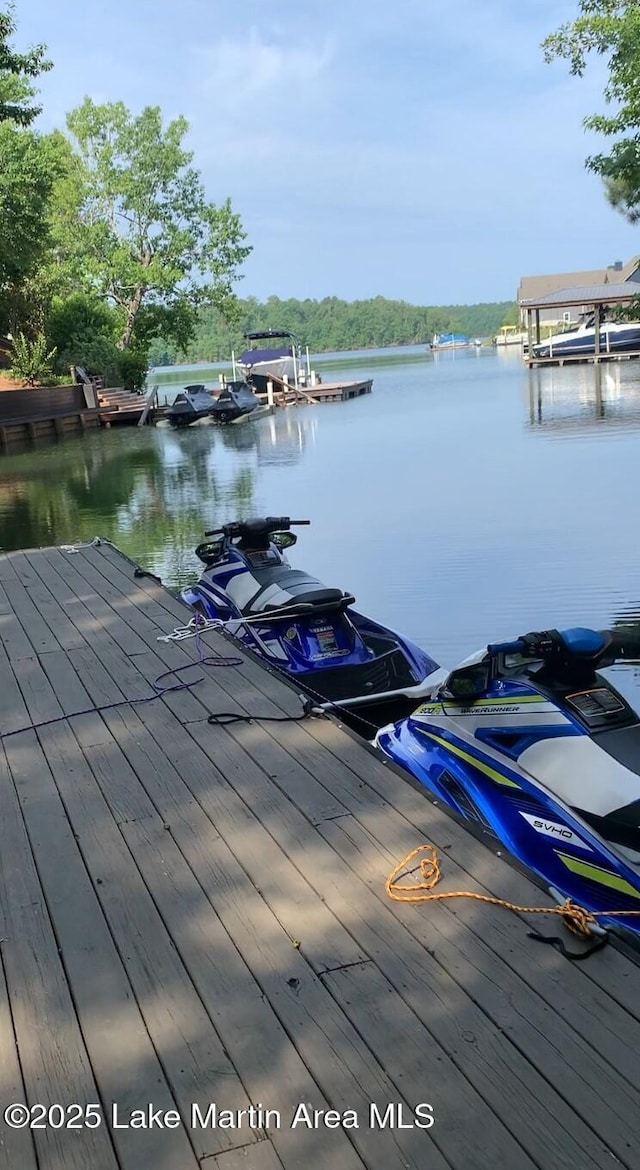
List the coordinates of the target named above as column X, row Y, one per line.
column 581, row 358
column 339, row 391
column 285, row 394
column 195, row 914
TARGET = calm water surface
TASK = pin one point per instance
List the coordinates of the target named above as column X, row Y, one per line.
column 467, row 499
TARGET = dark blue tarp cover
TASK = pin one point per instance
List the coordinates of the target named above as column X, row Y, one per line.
column 251, row 356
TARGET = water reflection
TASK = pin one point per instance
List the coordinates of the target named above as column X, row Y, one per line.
column 581, row 397
column 284, row 436
column 152, row 492
column 41, row 497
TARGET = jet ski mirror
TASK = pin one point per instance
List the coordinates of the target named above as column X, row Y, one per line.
column 209, row 551
column 468, row 683
column 283, row 539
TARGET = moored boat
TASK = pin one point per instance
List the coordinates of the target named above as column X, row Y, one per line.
column 510, row 335
column 615, row 337
column 263, row 362
column 450, row 341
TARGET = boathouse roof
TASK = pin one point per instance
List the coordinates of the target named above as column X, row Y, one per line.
column 536, row 287
column 591, row 294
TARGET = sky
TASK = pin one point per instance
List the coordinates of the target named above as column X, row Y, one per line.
column 414, row 149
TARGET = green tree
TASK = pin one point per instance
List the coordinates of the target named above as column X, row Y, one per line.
column 17, row 72
column 27, row 172
column 137, row 226
column 29, row 164
column 83, row 330
column 609, row 29
column 334, row 324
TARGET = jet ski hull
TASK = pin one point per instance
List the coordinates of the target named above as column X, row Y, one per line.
column 539, row 831
column 530, row 743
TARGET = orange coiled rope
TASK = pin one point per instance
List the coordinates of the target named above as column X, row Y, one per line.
column 575, row 917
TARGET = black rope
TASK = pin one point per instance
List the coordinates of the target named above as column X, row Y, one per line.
column 224, row 717
column 573, row 956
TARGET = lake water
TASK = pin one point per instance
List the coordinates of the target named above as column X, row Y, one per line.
column 466, row 499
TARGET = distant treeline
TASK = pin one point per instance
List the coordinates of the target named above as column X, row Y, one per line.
column 332, row 324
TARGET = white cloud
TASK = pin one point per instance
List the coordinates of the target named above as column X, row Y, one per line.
column 238, row 72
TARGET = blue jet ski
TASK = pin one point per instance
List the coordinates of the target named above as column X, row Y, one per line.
column 529, row 741
column 304, row 630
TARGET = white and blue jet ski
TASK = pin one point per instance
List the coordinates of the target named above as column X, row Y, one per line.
column 304, row 630
column 529, row 741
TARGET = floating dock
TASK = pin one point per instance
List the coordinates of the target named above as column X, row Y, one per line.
column 338, row 391
column 194, row 920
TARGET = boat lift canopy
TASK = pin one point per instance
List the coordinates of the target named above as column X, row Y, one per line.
column 262, row 333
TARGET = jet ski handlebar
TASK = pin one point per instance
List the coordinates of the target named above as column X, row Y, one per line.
column 625, row 642
column 595, row 648
column 262, row 526
column 536, row 645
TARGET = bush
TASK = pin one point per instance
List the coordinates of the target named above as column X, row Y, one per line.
column 84, row 330
column 133, row 366
column 31, row 359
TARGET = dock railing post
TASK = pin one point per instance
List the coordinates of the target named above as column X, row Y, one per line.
column 152, row 398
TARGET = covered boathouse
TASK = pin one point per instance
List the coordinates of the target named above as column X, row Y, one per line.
column 595, row 298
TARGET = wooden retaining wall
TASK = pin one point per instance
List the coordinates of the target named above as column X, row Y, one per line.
column 47, row 412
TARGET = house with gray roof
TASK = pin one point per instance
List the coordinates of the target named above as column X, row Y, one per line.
column 534, row 288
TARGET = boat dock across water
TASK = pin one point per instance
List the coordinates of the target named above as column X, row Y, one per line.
column 598, row 301
column 557, row 359
column 314, row 392
column 201, row 966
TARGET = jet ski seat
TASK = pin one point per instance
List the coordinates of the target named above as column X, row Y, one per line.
column 270, row 589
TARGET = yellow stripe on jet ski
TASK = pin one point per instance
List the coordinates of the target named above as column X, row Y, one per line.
column 492, row 773
column 605, row 877
column 511, row 700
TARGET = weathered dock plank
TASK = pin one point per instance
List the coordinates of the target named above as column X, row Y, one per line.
column 260, row 1156
column 16, row 1145
column 13, row 710
column 117, row 1041
column 329, row 1061
column 195, row 1062
column 53, row 1058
